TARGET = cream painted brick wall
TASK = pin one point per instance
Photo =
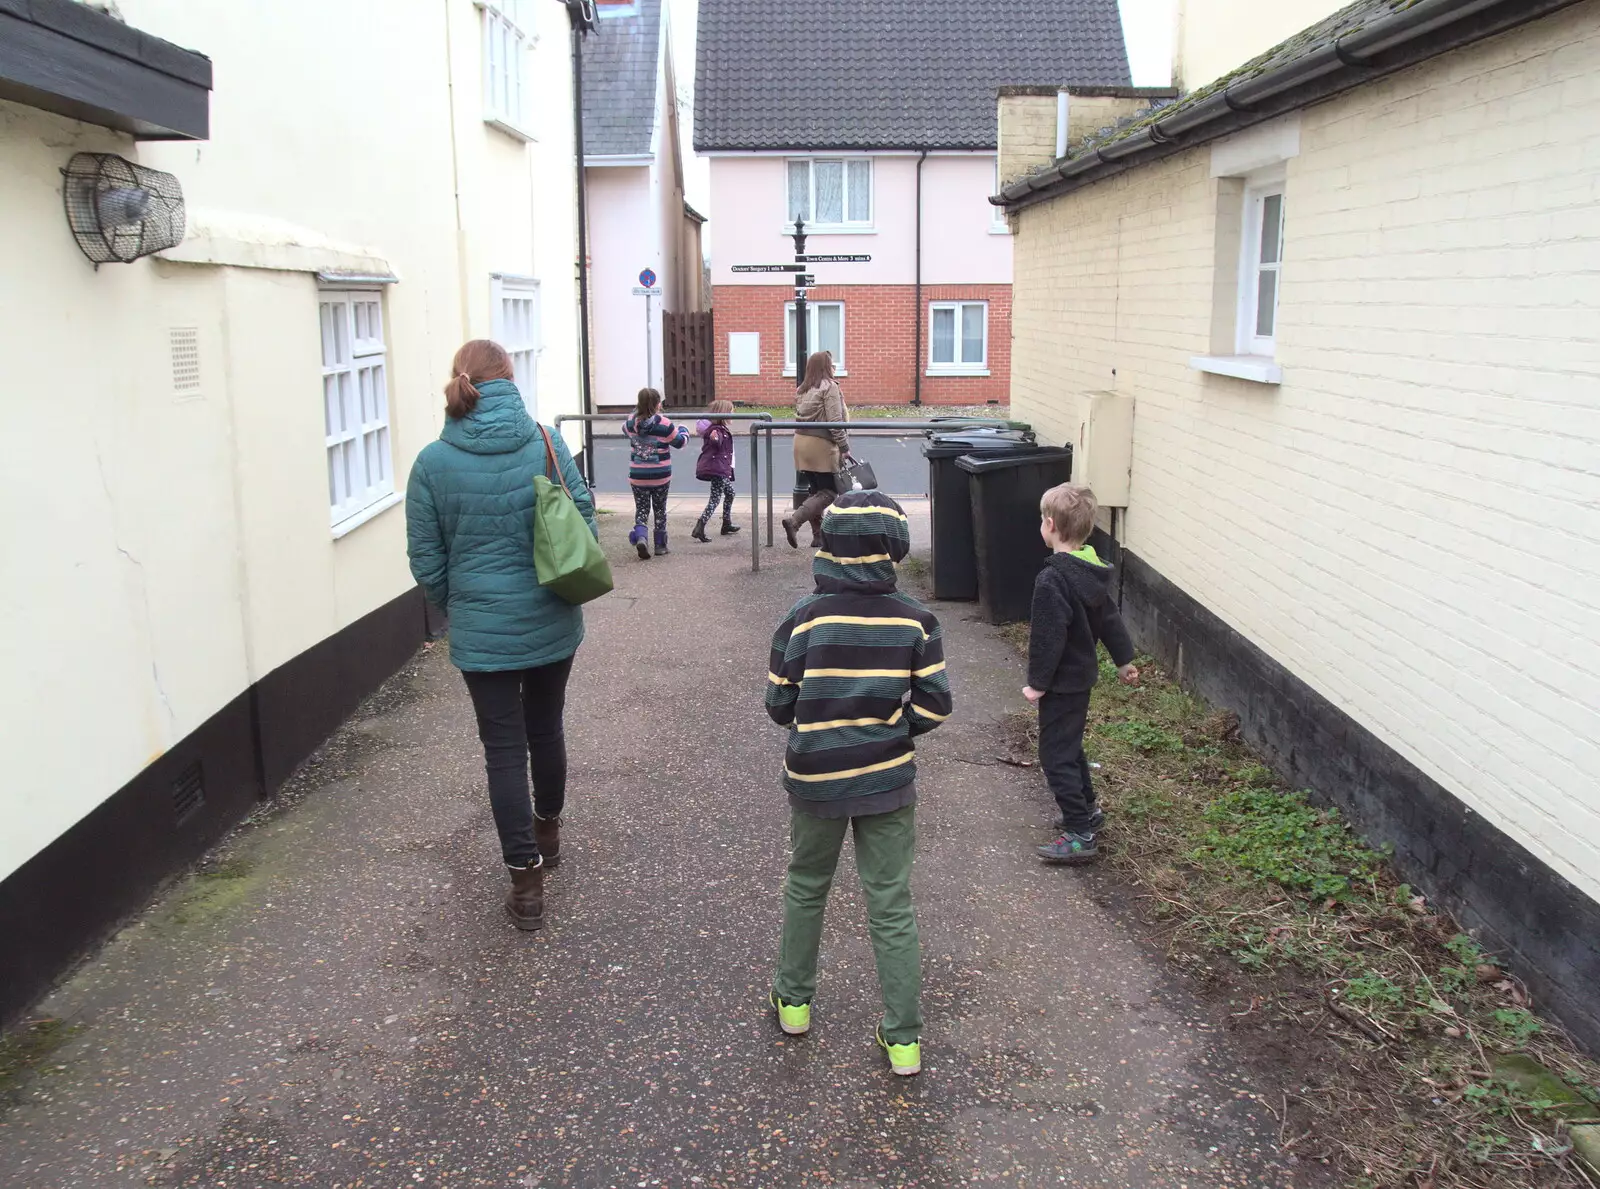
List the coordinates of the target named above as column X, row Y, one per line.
column 1027, row 131
column 1411, row 522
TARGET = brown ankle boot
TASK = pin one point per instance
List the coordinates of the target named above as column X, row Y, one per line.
column 525, row 900
column 547, row 833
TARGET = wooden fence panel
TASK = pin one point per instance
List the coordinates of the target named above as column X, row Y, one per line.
column 690, row 379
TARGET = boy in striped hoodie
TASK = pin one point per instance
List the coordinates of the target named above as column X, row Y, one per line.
column 857, row 673
column 652, row 437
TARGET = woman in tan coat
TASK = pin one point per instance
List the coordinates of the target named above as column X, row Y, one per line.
column 818, row 453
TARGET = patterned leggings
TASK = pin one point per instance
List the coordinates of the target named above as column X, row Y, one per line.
column 643, row 499
column 721, row 492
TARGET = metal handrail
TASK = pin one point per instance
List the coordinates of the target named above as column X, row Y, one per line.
column 588, row 460
column 865, row 428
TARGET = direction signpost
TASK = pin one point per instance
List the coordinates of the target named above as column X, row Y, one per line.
column 803, row 280
column 646, row 288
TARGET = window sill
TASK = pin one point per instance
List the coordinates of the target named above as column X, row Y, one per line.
column 1260, row 369
column 936, row 371
column 514, row 131
column 999, row 229
column 371, row 512
column 838, row 373
column 830, row 229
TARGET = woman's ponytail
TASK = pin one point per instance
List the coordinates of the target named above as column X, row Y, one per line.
column 460, row 396
column 476, row 363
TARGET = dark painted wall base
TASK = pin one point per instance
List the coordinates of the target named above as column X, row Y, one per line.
column 1520, row 908
column 75, row 892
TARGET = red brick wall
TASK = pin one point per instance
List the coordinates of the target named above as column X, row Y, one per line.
column 879, row 343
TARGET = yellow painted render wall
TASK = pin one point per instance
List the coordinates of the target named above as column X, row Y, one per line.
column 1215, row 36
column 163, row 551
column 1411, row 522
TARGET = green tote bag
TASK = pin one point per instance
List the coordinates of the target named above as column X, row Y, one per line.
column 567, row 558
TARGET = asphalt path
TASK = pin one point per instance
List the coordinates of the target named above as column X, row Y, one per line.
column 339, row 1002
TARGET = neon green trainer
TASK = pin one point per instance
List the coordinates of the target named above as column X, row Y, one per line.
column 793, row 1018
column 904, row 1060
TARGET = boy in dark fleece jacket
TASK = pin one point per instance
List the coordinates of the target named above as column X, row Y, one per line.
column 857, row 673
column 1072, row 613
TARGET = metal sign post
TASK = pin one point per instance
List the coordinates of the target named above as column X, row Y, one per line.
column 803, row 280
column 646, row 288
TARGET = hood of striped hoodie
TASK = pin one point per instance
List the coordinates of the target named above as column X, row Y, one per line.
column 864, row 533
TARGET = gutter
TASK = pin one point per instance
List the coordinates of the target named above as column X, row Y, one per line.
column 582, row 15
column 916, row 359
column 1405, row 38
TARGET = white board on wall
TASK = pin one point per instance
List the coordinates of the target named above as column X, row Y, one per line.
column 744, row 353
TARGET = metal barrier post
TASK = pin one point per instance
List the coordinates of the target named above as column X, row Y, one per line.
column 865, row 428
column 755, row 497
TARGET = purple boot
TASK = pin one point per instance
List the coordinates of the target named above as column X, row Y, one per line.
column 639, row 538
column 661, row 543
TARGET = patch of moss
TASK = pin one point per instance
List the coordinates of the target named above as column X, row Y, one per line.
column 208, row 895
column 29, row 1047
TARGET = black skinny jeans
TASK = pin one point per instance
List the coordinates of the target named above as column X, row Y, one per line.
column 519, row 718
column 1062, row 719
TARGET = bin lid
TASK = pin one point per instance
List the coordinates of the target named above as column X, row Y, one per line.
column 946, row 425
column 982, row 464
column 948, row 445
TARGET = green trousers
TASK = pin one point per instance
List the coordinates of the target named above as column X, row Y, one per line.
column 885, row 844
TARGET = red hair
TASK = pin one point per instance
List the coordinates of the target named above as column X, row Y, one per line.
column 476, row 363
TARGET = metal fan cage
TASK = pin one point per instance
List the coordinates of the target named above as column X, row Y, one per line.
column 96, row 182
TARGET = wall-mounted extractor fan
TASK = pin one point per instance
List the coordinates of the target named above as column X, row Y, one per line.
column 119, row 211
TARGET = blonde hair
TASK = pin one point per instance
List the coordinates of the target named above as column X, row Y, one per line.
column 720, row 406
column 1071, row 508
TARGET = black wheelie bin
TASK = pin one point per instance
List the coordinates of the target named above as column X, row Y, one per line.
column 954, row 564
column 1005, row 521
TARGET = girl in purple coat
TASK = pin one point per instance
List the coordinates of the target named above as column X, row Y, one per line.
column 716, row 467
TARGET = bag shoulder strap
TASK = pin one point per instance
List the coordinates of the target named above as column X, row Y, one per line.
column 552, row 465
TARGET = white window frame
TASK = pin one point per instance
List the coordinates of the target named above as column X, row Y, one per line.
column 1257, row 192
column 517, row 314
column 811, row 335
column 997, row 214
column 508, row 36
column 848, row 225
column 959, row 366
column 359, row 450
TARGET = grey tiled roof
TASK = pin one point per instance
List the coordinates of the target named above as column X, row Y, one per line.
column 620, row 60
column 781, row 74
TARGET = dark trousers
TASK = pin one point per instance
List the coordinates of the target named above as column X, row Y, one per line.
column 519, row 718
column 647, row 498
column 1062, row 718
column 721, row 493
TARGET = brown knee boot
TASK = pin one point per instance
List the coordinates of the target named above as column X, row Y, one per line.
column 525, row 900
column 547, row 833
column 809, row 512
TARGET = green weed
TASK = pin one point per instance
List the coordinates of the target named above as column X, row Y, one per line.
column 1142, row 736
column 1263, row 835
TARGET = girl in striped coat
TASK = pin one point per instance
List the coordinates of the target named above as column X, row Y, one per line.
column 653, row 437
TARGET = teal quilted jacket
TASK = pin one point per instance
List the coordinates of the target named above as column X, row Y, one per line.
column 469, row 532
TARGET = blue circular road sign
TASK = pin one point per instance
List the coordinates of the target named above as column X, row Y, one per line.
column 648, row 278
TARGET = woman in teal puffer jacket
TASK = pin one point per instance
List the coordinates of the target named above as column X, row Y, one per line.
column 469, row 530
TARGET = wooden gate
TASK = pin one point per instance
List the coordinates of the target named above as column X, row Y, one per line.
column 690, row 380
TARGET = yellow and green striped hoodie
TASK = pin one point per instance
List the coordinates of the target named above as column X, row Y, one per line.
column 857, row 668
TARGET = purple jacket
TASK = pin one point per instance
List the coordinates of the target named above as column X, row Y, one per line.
column 716, row 456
